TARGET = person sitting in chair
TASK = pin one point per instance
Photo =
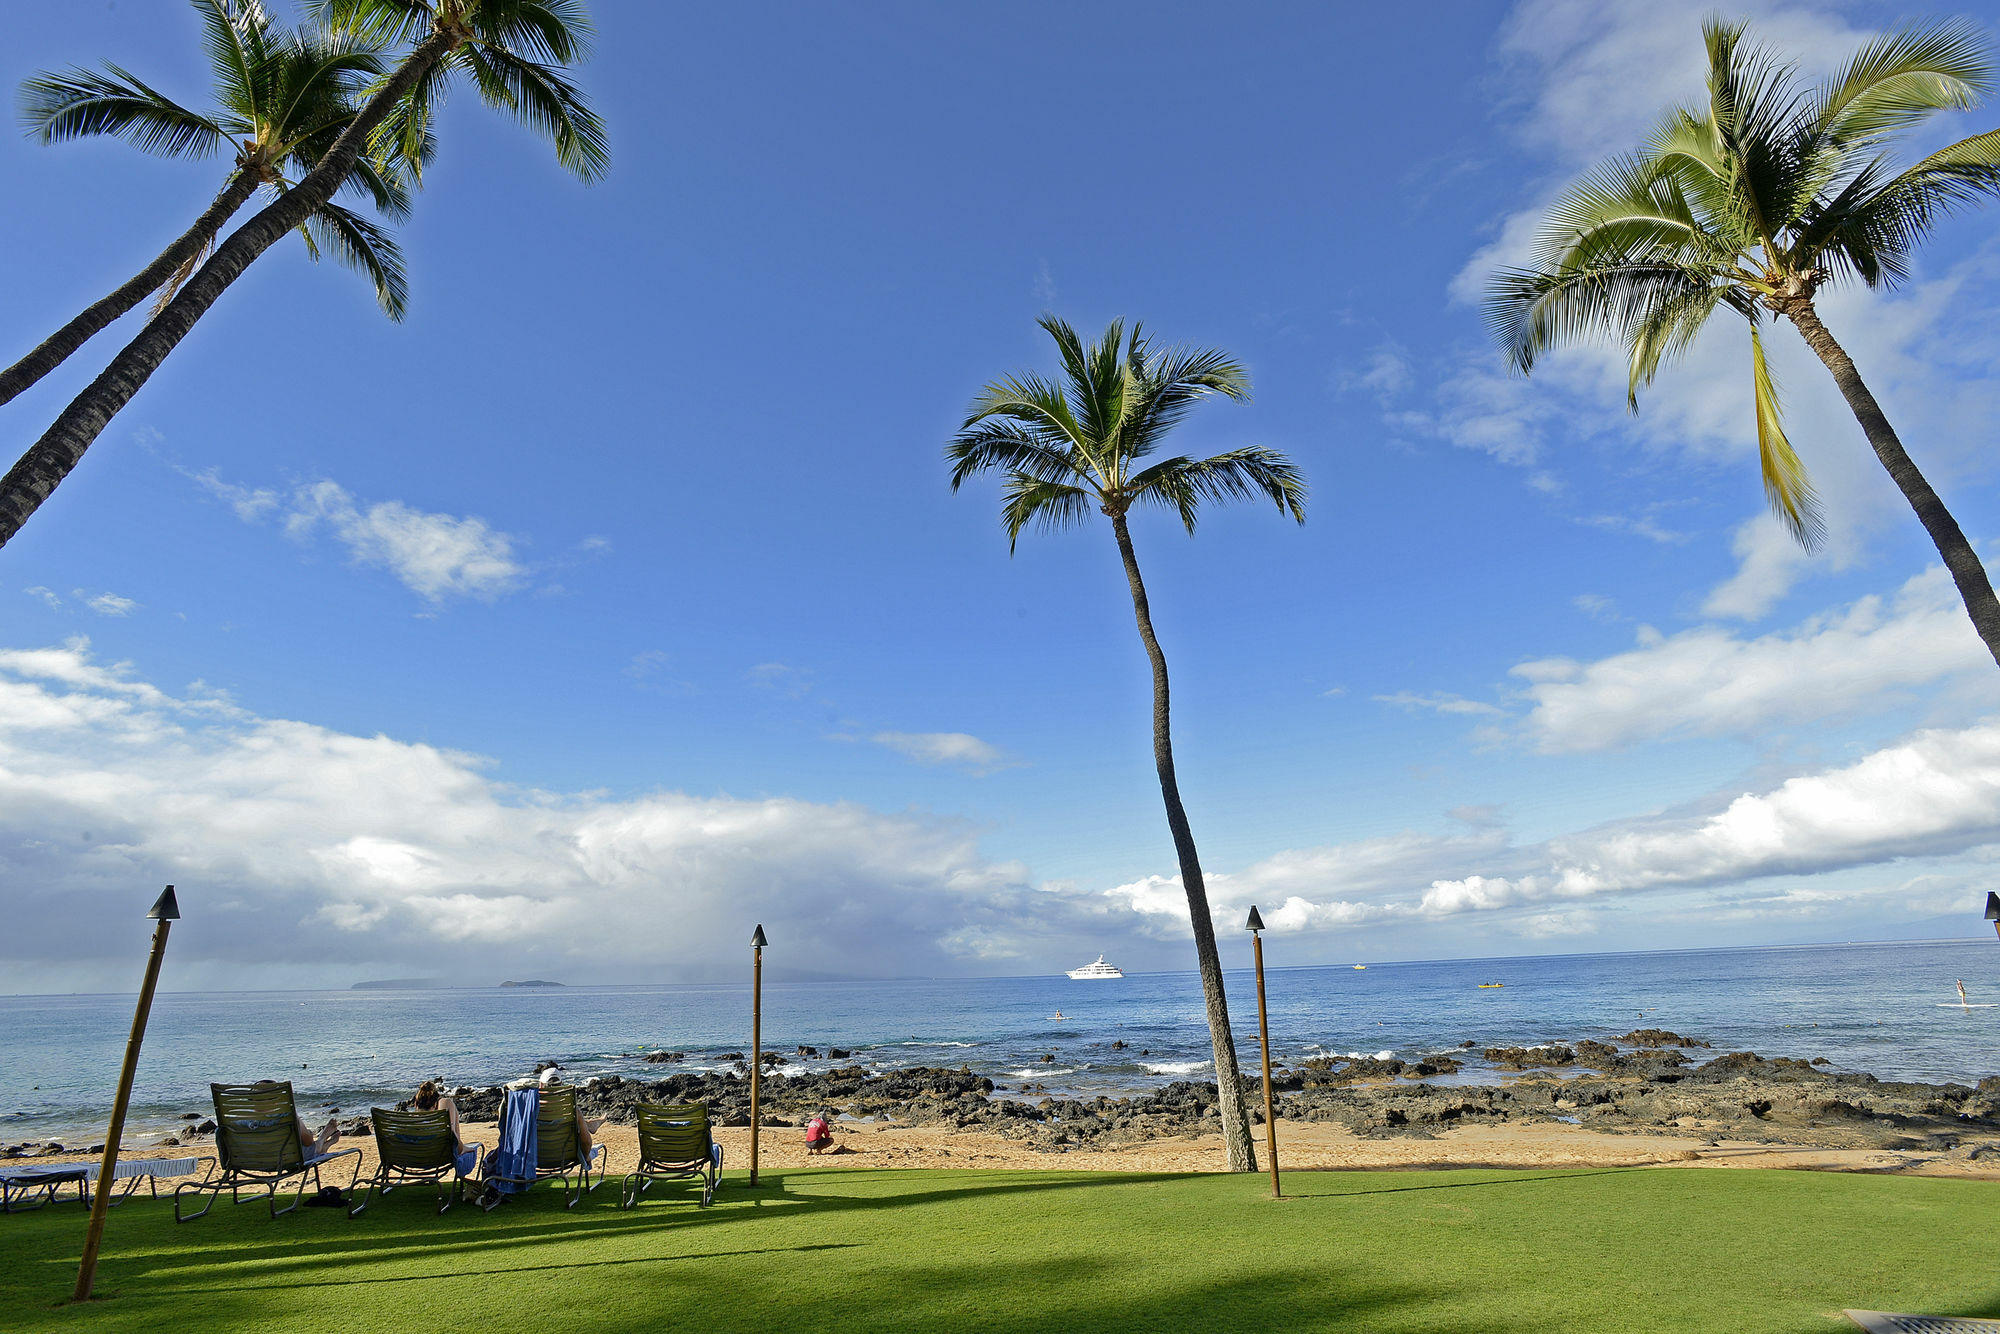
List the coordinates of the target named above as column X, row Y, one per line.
column 584, row 1129
column 429, row 1099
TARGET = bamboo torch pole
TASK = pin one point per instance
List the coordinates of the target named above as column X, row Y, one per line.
column 1256, row 927
column 166, row 911
column 757, row 943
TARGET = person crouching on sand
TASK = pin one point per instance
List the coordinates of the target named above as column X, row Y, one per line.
column 819, row 1134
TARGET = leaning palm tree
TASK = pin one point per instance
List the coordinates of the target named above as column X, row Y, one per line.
column 1754, row 199
column 281, row 99
column 1070, row 449
column 514, row 52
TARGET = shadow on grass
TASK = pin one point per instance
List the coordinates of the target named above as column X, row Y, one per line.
column 526, row 1269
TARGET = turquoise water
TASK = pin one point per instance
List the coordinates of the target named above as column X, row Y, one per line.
column 1865, row 1007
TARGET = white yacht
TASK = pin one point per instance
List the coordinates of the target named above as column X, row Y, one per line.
column 1092, row 971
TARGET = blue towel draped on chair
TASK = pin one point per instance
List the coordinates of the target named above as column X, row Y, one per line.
column 515, row 1156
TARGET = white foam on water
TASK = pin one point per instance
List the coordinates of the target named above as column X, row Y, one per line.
column 1175, row 1067
column 1044, row 1071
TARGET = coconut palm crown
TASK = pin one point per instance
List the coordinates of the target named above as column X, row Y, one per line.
column 281, row 99
column 1754, row 199
column 512, row 49
column 1065, row 450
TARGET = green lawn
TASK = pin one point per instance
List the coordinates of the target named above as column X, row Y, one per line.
column 819, row 1252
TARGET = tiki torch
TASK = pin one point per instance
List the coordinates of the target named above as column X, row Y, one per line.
column 757, row 943
column 166, row 912
column 1255, row 927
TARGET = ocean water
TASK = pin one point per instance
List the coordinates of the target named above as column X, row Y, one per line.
column 1889, row 1009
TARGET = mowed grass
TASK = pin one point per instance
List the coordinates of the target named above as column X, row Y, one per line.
column 825, row 1252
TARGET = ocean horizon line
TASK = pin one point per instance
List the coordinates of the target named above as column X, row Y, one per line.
column 820, row 981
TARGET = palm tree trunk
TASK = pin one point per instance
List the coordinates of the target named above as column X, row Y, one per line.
column 1959, row 557
column 58, row 346
column 35, row 477
column 1229, row 1084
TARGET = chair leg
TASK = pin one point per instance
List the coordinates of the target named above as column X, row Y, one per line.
column 196, row 1187
column 368, row 1194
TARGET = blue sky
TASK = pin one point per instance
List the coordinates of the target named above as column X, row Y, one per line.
column 617, row 599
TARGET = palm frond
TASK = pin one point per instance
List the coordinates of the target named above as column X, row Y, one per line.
column 233, row 37
column 1900, row 79
column 398, row 22
column 75, row 103
column 1786, row 485
column 1183, row 483
column 1036, row 404
column 1006, row 446
column 1050, row 506
column 1665, row 329
column 182, row 272
column 1530, row 311
column 1169, row 384
column 547, row 103
column 555, row 31
column 405, row 135
column 363, row 246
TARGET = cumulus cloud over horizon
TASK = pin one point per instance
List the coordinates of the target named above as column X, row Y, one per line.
column 310, row 854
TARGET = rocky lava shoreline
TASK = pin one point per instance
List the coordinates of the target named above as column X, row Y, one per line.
column 1648, row 1081
column 1652, row 1083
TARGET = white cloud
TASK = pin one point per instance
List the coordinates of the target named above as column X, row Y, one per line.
column 1934, row 795
column 303, row 847
column 108, row 604
column 45, row 595
column 1710, row 681
column 960, row 750
column 1437, row 701
column 1597, row 607
column 437, row 556
column 1386, row 372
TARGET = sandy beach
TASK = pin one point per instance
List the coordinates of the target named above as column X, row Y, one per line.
column 1305, row 1146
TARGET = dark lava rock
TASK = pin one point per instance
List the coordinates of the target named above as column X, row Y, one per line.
column 1659, row 1037
column 665, row 1057
column 837, row 1054
column 809, row 1051
column 1522, row 1058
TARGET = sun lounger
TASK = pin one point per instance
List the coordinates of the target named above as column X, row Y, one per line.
column 418, row 1146
column 1887, row 1322
column 552, row 1154
column 257, row 1144
column 20, row 1185
column 674, row 1144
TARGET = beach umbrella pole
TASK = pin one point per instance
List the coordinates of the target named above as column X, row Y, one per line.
column 166, row 911
column 757, row 943
column 1256, row 929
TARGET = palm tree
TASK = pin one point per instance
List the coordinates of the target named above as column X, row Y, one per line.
column 1754, row 199
column 1067, row 450
column 281, row 99
column 513, row 50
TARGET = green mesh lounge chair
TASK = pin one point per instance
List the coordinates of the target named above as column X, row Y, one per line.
column 257, row 1144
column 418, row 1146
column 674, row 1143
column 558, row 1153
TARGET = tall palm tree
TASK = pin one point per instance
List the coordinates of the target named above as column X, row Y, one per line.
column 514, row 52
column 1068, row 449
column 1754, row 199
column 281, row 99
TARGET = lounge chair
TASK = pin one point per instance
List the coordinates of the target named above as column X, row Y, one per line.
column 418, row 1146
column 257, row 1144
column 674, row 1144
column 557, row 1152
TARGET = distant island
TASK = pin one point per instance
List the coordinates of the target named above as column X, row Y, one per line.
column 532, row 982
column 399, row 984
